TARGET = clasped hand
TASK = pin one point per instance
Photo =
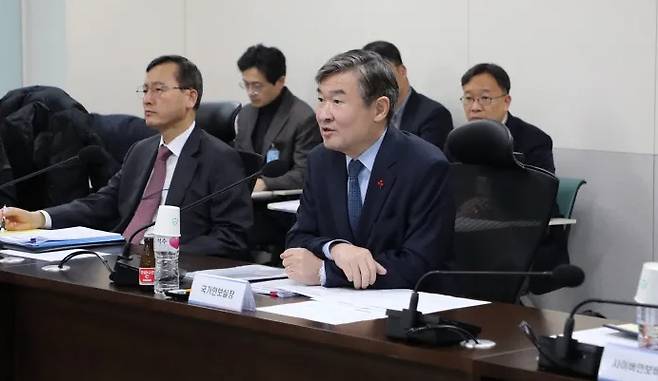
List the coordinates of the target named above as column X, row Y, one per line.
column 357, row 263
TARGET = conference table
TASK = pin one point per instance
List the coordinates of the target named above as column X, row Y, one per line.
column 77, row 325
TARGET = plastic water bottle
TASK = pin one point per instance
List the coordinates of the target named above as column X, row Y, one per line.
column 166, row 239
column 647, row 318
column 647, row 324
column 166, row 263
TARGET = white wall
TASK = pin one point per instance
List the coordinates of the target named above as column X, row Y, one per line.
column 11, row 43
column 45, row 48
column 584, row 71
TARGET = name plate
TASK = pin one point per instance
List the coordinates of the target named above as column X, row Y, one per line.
column 222, row 292
column 628, row 363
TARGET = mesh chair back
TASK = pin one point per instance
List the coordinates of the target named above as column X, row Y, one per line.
column 502, row 210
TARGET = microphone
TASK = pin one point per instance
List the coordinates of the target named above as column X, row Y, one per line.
column 411, row 325
column 565, row 355
column 563, row 275
column 126, row 273
column 85, row 155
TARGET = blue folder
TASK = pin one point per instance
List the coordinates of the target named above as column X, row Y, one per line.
column 36, row 243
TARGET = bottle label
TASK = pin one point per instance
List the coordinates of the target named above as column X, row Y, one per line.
column 272, row 154
column 166, row 244
column 146, row 276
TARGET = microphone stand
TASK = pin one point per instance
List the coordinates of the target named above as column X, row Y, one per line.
column 565, row 355
column 126, row 272
column 411, row 325
column 36, row 173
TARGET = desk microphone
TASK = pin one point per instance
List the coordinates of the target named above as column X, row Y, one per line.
column 86, row 155
column 565, row 355
column 126, row 273
column 411, row 325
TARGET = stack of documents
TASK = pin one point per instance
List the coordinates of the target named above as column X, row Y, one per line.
column 248, row 272
column 39, row 240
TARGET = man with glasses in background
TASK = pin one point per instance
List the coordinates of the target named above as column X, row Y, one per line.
column 486, row 89
column 176, row 167
column 276, row 124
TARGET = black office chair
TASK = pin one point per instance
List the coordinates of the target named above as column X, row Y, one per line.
column 252, row 163
column 502, row 210
column 218, row 119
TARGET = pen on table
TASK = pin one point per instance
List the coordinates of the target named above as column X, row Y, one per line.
column 281, row 294
column 181, row 291
column 2, row 222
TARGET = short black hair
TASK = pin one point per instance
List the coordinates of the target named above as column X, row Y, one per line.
column 499, row 74
column 376, row 78
column 387, row 50
column 268, row 60
column 188, row 75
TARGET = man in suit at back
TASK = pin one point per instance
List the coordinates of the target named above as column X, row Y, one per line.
column 276, row 124
column 486, row 89
column 377, row 209
column 176, row 167
column 414, row 112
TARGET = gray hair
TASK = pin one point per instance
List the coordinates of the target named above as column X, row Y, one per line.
column 376, row 78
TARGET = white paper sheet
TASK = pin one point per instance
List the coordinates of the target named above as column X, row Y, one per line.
column 50, row 256
column 325, row 312
column 603, row 336
column 350, row 305
column 396, row 299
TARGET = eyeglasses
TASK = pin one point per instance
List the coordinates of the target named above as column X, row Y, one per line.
column 157, row 91
column 484, row 100
column 251, row 87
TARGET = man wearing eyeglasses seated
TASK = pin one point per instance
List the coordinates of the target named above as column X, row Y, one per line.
column 276, row 124
column 178, row 166
column 486, row 89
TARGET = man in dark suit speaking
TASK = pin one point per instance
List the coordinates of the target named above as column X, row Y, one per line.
column 180, row 165
column 414, row 112
column 376, row 209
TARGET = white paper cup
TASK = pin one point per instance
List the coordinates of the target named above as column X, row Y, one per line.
column 647, row 287
column 167, row 223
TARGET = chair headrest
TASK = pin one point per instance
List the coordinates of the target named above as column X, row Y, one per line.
column 218, row 118
column 482, row 142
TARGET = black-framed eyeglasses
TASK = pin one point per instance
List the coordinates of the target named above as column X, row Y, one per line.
column 483, row 100
column 251, row 87
column 157, row 90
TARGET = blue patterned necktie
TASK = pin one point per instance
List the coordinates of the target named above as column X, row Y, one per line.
column 354, row 193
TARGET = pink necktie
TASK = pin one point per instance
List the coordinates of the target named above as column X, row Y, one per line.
column 151, row 199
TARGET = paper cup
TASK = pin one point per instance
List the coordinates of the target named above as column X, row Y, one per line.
column 647, row 287
column 167, row 223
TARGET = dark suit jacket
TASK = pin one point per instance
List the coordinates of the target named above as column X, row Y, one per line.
column 206, row 164
column 535, row 145
column 293, row 131
column 426, row 118
column 407, row 219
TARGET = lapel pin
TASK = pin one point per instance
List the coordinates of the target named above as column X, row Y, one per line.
column 380, row 183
